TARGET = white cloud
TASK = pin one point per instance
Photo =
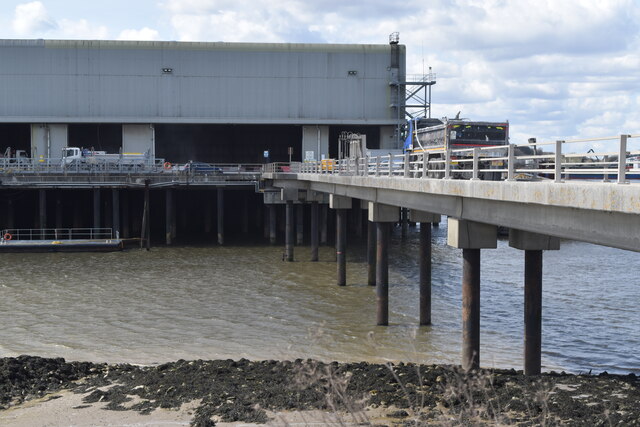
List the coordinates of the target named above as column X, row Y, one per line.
column 555, row 69
column 81, row 29
column 142, row 34
column 32, row 18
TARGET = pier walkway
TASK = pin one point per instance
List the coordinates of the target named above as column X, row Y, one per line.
column 531, row 192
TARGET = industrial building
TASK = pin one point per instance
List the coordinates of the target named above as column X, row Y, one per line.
column 222, row 103
column 211, row 102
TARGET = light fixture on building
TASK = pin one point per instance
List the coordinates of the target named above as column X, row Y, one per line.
column 167, row 70
column 352, row 72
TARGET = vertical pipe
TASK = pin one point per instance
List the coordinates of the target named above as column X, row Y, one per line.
column 115, row 207
column 220, row 216
column 323, row 223
column 371, row 253
column 425, row 273
column 42, row 199
column 299, row 224
column 289, row 231
column 532, row 311
column 125, row 215
column 96, row 207
column 382, row 273
column 272, row 224
column 168, row 216
column 471, row 309
column 147, row 216
column 314, row 231
column 341, row 245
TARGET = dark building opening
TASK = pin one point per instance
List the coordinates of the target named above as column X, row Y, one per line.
column 16, row 136
column 96, row 136
column 227, row 143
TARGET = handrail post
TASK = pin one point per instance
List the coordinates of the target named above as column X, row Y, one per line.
column 622, row 160
column 558, row 162
column 476, row 163
column 447, row 164
column 425, row 164
column 511, row 165
column 407, row 166
column 377, row 165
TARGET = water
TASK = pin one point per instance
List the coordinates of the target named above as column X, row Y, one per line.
column 243, row 301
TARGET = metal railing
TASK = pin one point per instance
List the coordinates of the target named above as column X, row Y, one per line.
column 513, row 162
column 52, row 171
column 20, row 234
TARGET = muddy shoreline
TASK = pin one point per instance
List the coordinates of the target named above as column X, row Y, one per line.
column 408, row 394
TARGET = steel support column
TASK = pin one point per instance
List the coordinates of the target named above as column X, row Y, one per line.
column 169, row 216
column 471, row 309
column 341, row 245
column 314, row 231
column 59, row 211
column 299, row 225
column 425, row 273
column 115, row 212
column 532, row 311
column 382, row 273
column 289, row 231
column 42, row 211
column 404, row 221
column 371, row 253
column 96, row 208
column 125, row 214
column 272, row 224
column 146, row 216
column 10, row 214
column 220, row 215
column 324, row 220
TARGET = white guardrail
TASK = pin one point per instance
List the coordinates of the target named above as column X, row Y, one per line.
column 534, row 161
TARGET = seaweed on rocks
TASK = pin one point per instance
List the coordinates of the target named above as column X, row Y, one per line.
column 243, row 390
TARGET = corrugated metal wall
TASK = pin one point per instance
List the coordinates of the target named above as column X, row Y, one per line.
column 101, row 81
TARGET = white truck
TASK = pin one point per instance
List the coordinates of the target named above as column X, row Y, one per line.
column 75, row 155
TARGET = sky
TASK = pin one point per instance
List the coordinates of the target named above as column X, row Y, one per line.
column 556, row 69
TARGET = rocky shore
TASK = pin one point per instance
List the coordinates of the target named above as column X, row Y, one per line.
column 400, row 394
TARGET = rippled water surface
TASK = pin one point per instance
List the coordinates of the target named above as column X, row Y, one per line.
column 243, row 301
